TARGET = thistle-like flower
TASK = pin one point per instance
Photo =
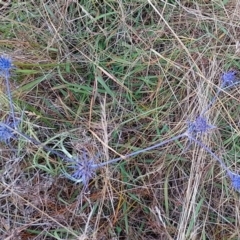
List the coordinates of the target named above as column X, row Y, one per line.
column 235, row 179
column 7, row 131
column 228, row 79
column 5, row 67
column 84, row 169
column 200, row 125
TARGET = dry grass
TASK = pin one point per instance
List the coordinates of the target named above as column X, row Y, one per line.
column 113, row 77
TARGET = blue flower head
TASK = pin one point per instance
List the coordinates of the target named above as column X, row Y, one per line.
column 200, row 125
column 83, row 169
column 5, row 64
column 7, row 129
column 6, row 132
column 235, row 178
column 228, row 78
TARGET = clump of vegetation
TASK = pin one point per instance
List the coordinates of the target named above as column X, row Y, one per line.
column 94, row 105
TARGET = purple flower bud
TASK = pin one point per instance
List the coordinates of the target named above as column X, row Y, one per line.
column 235, row 179
column 200, row 125
column 7, row 132
column 5, row 64
column 236, row 183
column 228, row 78
column 83, row 169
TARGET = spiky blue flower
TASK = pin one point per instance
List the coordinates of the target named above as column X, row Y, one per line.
column 200, row 125
column 228, row 78
column 236, row 183
column 7, row 131
column 235, row 179
column 84, row 169
column 5, row 65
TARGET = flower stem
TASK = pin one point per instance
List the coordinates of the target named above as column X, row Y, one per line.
column 143, row 150
column 10, row 97
column 39, row 144
column 199, row 143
